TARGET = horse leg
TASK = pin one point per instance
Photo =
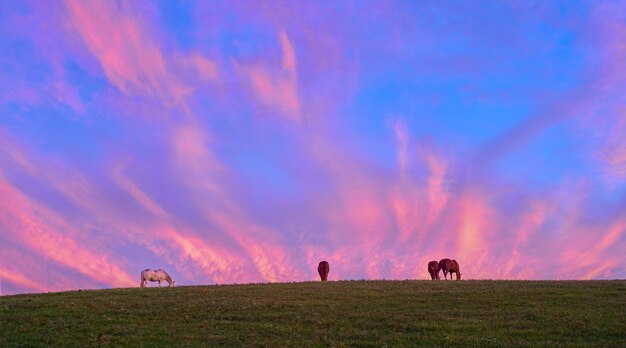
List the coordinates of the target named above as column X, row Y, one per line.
column 160, row 281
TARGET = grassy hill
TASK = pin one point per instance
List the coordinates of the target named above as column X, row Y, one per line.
column 345, row 313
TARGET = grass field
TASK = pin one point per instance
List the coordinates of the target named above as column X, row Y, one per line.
column 345, row 313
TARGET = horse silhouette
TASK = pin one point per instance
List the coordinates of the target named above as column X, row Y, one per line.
column 450, row 266
column 433, row 270
column 323, row 268
column 155, row 275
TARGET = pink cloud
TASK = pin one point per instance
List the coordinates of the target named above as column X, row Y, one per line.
column 22, row 281
column 289, row 55
column 68, row 95
column 20, row 92
column 437, row 190
column 475, row 220
column 184, row 250
column 129, row 56
column 192, row 156
column 406, row 214
column 418, row 207
column 597, row 256
column 49, row 235
column 198, row 64
column 14, row 152
column 520, row 263
column 24, row 270
column 611, row 130
column 278, row 88
column 137, row 194
column 158, row 237
column 221, row 264
column 402, row 139
column 607, row 120
column 265, row 258
column 586, row 250
column 270, row 258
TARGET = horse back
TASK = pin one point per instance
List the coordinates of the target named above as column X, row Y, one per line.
column 433, row 266
column 150, row 274
column 323, row 267
column 445, row 264
column 454, row 266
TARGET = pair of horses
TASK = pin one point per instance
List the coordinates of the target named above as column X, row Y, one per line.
column 445, row 265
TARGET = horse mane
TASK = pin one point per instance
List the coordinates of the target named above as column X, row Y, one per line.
column 167, row 276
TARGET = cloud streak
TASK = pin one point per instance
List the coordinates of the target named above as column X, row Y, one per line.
column 278, row 87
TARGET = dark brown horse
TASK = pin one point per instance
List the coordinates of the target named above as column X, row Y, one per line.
column 323, row 268
column 454, row 268
column 450, row 266
column 433, row 269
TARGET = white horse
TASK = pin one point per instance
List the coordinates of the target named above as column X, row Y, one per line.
column 155, row 275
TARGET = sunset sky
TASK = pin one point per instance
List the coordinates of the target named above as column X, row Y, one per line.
column 237, row 142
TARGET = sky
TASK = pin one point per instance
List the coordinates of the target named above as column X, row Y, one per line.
column 242, row 142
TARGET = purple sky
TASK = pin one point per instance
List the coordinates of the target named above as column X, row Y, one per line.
column 235, row 142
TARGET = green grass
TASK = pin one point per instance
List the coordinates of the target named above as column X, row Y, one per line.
column 346, row 313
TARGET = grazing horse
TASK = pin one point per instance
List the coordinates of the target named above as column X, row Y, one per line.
column 433, row 269
column 444, row 265
column 450, row 266
column 155, row 275
column 323, row 268
column 454, row 268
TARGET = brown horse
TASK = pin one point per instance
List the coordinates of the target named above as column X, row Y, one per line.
column 450, row 266
column 433, row 269
column 454, row 268
column 323, row 268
